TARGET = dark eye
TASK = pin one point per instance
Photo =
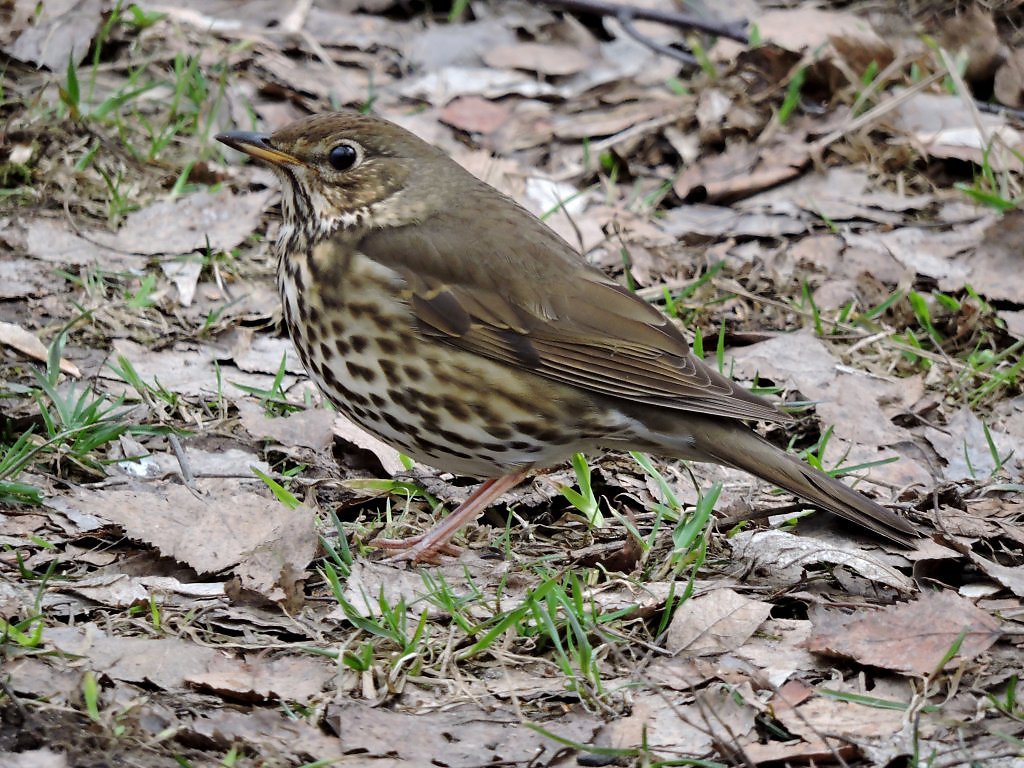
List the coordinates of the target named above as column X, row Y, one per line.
column 343, row 157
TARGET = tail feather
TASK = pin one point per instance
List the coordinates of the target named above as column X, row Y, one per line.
column 735, row 445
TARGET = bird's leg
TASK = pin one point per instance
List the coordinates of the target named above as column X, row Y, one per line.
column 427, row 546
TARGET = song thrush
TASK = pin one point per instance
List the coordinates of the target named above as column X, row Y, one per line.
column 444, row 318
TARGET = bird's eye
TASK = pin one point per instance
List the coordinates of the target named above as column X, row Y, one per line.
column 343, row 157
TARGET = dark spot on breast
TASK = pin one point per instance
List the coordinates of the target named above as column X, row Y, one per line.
column 360, row 309
column 412, row 372
column 520, row 445
column 455, row 407
column 456, row 439
column 342, row 346
column 337, row 327
column 529, row 428
column 438, row 450
column 332, row 298
column 429, row 401
column 402, row 399
column 390, row 369
column 383, row 323
column 430, row 420
column 554, row 437
column 377, row 400
column 392, row 421
column 358, row 343
column 499, row 433
column 312, row 332
column 357, row 371
column 387, row 345
column 338, row 393
column 360, row 413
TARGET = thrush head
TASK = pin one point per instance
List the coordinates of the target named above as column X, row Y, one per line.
column 350, row 171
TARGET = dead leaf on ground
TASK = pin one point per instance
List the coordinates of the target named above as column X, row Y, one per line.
column 785, row 558
column 257, row 679
column 995, row 271
column 28, row 344
column 544, row 59
column 946, row 126
column 264, row 542
column 743, row 170
column 678, row 729
column 270, row 731
column 1009, row 80
column 20, row 278
column 119, row 590
column 824, row 32
column 389, row 458
column 909, row 637
column 190, row 370
column 163, row 662
column 35, row 758
column 964, row 443
column 719, row 621
column 60, row 31
column 475, row 115
column 217, row 221
column 309, row 428
column 459, row 737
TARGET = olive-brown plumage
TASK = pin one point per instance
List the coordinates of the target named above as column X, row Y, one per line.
column 446, row 319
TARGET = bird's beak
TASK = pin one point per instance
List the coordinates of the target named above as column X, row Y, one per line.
column 257, row 145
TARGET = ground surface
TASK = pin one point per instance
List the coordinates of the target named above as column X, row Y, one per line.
column 188, row 576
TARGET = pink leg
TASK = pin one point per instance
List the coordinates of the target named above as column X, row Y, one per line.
column 427, row 546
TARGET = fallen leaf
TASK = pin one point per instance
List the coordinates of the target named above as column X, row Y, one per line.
column 909, row 637
column 474, row 114
column 28, row 344
column 677, row 729
column 390, row 459
column 162, row 662
column 544, row 59
column 35, row 758
column 266, row 543
column 217, row 221
column 309, row 428
column 1009, row 80
column 61, row 31
column 459, row 737
column 825, row 32
column 721, row 620
column 272, row 732
column 965, row 447
column 945, row 126
column 786, row 558
column 255, row 679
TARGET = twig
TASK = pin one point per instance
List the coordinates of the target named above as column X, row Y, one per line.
column 186, row 469
column 736, row 30
column 625, row 17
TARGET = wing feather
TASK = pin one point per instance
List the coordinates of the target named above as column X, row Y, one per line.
column 533, row 303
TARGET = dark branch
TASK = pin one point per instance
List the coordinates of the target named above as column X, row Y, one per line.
column 733, row 31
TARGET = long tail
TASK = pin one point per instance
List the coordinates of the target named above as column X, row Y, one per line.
column 733, row 444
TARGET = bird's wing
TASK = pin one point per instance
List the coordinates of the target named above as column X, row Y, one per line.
column 533, row 303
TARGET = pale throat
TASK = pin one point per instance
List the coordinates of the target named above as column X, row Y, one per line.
column 309, row 217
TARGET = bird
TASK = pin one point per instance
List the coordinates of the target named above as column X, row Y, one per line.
column 447, row 320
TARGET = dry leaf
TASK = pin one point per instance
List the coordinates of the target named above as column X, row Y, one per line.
column 719, row 621
column 909, row 637
column 28, row 344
